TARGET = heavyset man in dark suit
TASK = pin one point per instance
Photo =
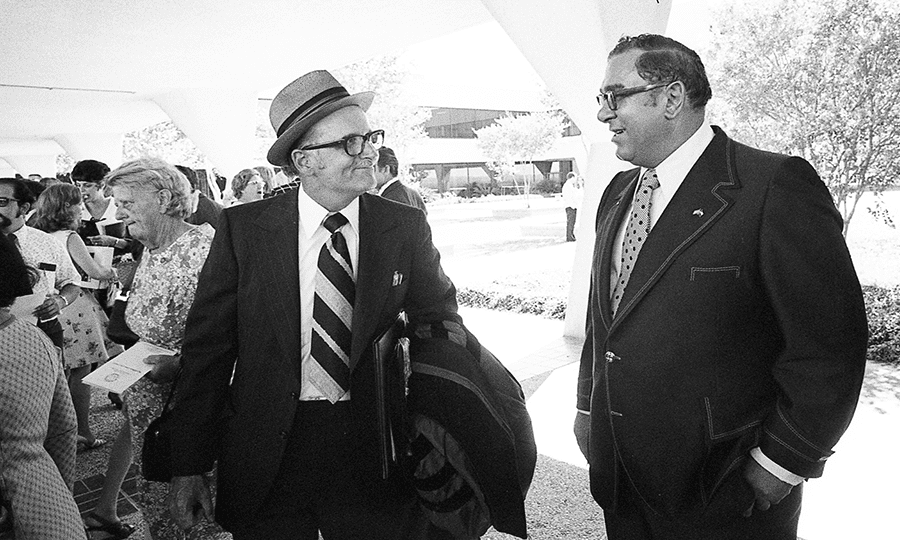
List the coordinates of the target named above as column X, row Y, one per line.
column 726, row 338
column 297, row 451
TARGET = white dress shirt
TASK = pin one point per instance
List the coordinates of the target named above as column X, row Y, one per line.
column 311, row 236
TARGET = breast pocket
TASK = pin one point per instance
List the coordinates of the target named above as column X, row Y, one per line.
column 700, row 273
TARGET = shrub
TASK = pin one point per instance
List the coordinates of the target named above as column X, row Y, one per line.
column 883, row 313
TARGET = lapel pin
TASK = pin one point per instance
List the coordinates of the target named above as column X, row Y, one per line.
column 698, row 212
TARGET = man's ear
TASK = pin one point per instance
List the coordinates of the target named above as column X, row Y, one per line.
column 24, row 208
column 300, row 159
column 676, row 99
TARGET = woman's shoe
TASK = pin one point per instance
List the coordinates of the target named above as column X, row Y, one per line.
column 85, row 445
column 116, row 529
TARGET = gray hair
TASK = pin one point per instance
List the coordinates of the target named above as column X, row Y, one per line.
column 153, row 174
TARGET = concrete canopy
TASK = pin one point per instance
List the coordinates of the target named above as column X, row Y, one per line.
column 109, row 67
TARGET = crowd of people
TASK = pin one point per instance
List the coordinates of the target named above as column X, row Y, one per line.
column 724, row 353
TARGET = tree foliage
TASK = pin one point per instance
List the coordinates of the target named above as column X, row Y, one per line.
column 519, row 138
column 165, row 141
column 393, row 111
column 819, row 79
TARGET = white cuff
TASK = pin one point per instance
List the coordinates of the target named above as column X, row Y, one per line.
column 777, row 470
column 584, row 412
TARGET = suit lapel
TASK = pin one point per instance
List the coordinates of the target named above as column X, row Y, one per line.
column 607, row 233
column 698, row 204
column 378, row 252
column 277, row 227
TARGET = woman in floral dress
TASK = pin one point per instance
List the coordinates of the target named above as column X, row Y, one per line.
column 153, row 200
column 84, row 322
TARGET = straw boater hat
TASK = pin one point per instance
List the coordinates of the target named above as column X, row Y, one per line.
column 304, row 102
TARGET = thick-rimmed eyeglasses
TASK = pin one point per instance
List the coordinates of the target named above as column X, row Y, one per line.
column 4, row 201
column 353, row 144
column 610, row 97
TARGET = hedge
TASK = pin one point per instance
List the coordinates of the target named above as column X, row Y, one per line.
column 882, row 310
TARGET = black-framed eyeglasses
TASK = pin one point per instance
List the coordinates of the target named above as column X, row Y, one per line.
column 611, row 97
column 353, row 144
column 4, row 201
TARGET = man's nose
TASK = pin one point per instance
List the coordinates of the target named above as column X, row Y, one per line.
column 605, row 114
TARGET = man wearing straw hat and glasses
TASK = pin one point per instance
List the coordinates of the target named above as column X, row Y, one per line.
column 277, row 381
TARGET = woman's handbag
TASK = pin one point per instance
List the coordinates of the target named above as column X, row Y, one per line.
column 156, row 454
column 118, row 331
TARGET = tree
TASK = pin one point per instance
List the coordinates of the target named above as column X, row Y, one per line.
column 819, row 79
column 393, row 111
column 519, row 138
column 165, row 141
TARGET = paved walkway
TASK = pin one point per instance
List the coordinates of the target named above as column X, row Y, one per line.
column 855, row 499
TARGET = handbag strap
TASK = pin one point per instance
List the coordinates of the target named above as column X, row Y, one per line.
column 172, row 391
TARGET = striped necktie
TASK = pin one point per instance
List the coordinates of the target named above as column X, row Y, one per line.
column 333, row 313
column 635, row 234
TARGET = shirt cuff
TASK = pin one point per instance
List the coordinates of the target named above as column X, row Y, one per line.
column 777, row 470
column 584, row 412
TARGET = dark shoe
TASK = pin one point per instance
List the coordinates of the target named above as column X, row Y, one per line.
column 116, row 529
column 116, row 399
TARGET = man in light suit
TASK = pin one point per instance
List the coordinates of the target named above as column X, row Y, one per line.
column 295, row 436
column 726, row 332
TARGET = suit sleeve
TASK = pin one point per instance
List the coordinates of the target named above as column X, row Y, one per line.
column 816, row 297
column 432, row 296
column 208, row 358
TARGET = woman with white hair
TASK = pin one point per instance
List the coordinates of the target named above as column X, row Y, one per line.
column 153, row 200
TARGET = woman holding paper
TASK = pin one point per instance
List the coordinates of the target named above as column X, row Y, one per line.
column 153, row 200
column 84, row 323
column 37, row 423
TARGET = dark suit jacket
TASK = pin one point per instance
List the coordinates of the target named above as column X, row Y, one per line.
column 208, row 211
column 742, row 325
column 404, row 194
column 246, row 319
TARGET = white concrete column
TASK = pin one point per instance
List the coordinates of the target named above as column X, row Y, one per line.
column 30, row 156
column 220, row 121
column 105, row 147
column 567, row 46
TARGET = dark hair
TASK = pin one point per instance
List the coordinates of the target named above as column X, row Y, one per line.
column 89, row 170
column 20, row 190
column 16, row 277
column 191, row 176
column 53, row 208
column 387, row 158
column 35, row 187
column 665, row 59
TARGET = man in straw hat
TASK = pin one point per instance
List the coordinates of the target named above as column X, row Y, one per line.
column 278, row 379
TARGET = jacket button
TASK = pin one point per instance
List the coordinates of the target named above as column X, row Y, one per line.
column 611, row 357
column 295, row 395
column 284, row 435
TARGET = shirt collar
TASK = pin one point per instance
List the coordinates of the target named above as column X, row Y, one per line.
column 312, row 214
column 388, row 184
column 673, row 170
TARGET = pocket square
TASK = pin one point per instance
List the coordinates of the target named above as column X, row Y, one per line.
column 398, row 279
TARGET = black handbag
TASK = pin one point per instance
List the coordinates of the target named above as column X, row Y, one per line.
column 118, row 331
column 156, row 454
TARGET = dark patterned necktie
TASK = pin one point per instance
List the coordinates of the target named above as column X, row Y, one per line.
column 332, row 314
column 635, row 234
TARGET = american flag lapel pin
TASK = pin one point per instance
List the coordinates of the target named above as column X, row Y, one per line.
column 398, row 279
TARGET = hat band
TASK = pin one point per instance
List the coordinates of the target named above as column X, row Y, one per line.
column 319, row 100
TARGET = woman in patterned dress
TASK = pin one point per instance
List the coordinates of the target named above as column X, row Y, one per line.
column 84, row 323
column 37, row 421
column 153, row 199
